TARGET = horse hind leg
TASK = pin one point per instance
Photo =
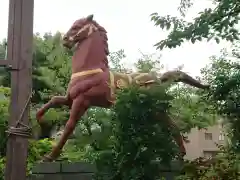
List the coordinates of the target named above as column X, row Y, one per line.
column 79, row 107
column 176, row 135
column 179, row 76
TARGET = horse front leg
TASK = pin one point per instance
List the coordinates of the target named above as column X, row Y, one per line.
column 55, row 101
column 45, row 128
column 79, row 107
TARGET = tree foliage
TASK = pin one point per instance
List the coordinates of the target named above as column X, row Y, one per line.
column 224, row 75
column 51, row 67
column 189, row 109
column 215, row 23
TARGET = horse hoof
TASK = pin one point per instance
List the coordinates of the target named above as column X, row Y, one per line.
column 182, row 154
column 47, row 158
column 45, row 130
column 39, row 115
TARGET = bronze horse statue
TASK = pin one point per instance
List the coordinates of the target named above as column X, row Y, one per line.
column 93, row 84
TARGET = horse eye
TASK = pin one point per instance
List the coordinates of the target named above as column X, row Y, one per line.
column 75, row 28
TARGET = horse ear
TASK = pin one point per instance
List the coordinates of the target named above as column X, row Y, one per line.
column 89, row 17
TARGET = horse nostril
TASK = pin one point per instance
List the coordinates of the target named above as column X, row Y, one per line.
column 65, row 38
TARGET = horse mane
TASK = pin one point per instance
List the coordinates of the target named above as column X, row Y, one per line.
column 103, row 33
column 100, row 28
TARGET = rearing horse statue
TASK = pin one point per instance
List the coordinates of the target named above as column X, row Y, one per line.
column 93, row 84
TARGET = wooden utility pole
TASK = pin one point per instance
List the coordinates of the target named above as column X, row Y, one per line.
column 19, row 57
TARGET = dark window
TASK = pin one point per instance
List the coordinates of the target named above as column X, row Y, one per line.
column 208, row 136
column 209, row 154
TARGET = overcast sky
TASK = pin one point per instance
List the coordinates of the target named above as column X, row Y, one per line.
column 128, row 25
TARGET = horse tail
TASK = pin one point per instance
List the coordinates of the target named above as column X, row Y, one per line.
column 179, row 76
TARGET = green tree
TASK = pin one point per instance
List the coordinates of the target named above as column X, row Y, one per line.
column 190, row 110
column 219, row 22
column 116, row 60
column 2, row 49
column 224, row 76
column 149, row 63
column 51, row 58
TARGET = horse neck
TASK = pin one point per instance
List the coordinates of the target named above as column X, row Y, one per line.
column 91, row 54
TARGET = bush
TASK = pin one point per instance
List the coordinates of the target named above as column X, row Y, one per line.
column 4, row 104
column 224, row 166
column 36, row 150
column 2, row 167
column 140, row 137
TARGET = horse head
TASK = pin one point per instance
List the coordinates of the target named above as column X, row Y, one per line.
column 90, row 42
column 80, row 30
